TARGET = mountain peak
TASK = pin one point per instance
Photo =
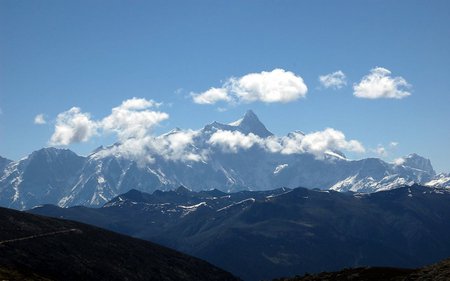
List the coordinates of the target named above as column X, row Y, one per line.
column 416, row 161
column 182, row 190
column 250, row 114
column 250, row 123
column 51, row 153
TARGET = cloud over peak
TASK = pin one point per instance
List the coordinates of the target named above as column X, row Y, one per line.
column 276, row 86
column 379, row 84
column 316, row 143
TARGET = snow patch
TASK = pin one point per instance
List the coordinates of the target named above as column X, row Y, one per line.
column 237, row 203
column 279, row 168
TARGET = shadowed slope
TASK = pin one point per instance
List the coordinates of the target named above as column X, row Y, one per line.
column 39, row 248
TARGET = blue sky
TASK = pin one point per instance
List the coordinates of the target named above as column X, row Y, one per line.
column 55, row 55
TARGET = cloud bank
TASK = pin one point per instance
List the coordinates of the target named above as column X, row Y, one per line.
column 276, row 86
column 316, row 143
column 335, row 80
column 174, row 146
column 379, row 84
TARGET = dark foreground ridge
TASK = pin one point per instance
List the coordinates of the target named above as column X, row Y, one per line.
column 261, row 235
column 435, row 272
column 39, row 248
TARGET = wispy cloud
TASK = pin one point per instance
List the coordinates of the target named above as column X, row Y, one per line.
column 385, row 150
column 393, row 144
column 40, row 119
column 380, row 84
column 381, row 151
column 212, row 96
column 335, row 80
column 276, row 86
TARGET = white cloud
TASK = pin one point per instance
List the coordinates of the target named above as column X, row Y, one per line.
column 133, row 119
column 40, row 119
column 316, row 143
column 335, row 80
column 276, row 86
column 381, row 151
column 212, row 96
column 132, row 122
column 399, row 161
column 385, row 150
column 393, row 144
column 380, row 84
column 329, row 139
column 175, row 146
column 232, row 141
column 138, row 104
column 73, row 126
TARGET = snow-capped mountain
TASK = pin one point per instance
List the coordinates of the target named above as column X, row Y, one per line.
column 440, row 180
column 196, row 160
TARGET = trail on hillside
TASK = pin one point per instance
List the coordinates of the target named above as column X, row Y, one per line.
column 75, row 230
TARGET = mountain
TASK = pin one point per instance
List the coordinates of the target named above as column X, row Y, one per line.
column 266, row 234
column 39, row 248
column 3, row 163
column 250, row 123
column 45, row 175
column 196, row 159
column 438, row 271
column 441, row 180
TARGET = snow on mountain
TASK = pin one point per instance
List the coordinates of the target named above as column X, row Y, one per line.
column 441, row 180
column 250, row 123
column 44, row 176
column 189, row 158
column 3, row 163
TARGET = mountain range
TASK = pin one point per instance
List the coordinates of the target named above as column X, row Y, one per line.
column 193, row 159
column 259, row 235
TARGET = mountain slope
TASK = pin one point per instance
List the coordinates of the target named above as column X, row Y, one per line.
column 266, row 234
column 36, row 247
column 438, row 271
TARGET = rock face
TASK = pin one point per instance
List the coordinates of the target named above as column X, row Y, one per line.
column 38, row 248
column 259, row 235
column 60, row 177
